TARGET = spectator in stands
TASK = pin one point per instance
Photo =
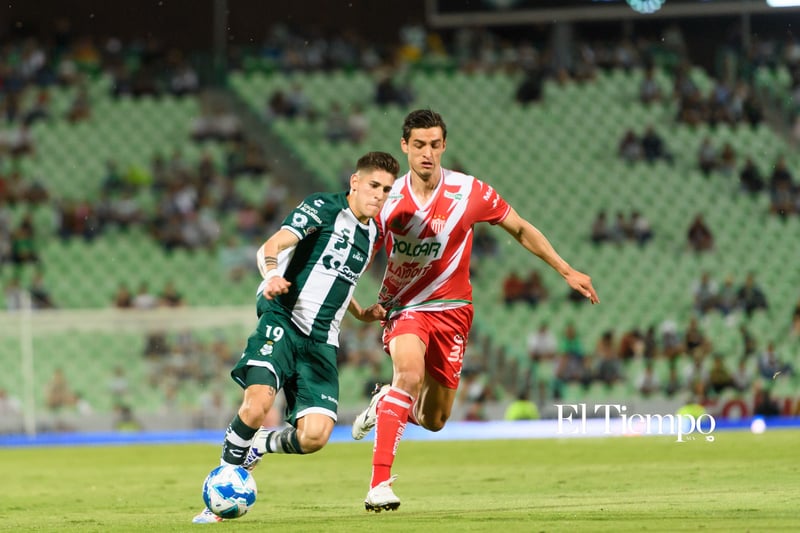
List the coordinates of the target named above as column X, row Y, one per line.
column 363, row 345
column 336, row 127
column 719, row 376
column 123, row 299
column 696, row 375
column 522, row 408
column 23, row 243
column 695, row 340
column 782, row 201
column 58, row 394
column 14, row 294
column 40, row 110
column 535, row 291
column 781, row 176
column 795, row 325
column 749, row 343
column 184, row 79
column 692, row 108
column 631, row 345
column 727, row 297
column 742, row 377
column 707, row 158
column 388, row 93
column 475, row 387
column 254, row 161
column 40, row 295
column 21, row 141
column 750, row 179
column 764, row 404
column 649, row 90
column 753, row 111
column 216, row 125
column 718, row 104
column 630, row 147
column 476, row 412
column 80, row 108
column 621, row 230
column 704, row 294
column 653, row 146
column 600, row 231
column 673, row 384
column 123, row 210
column 124, row 419
column 641, row 230
column 727, row 160
column 357, row 124
column 170, row 296
column 647, row 382
column 77, row 218
column 751, row 297
column 513, row 288
column 236, row 258
column 530, row 89
column 118, row 384
column 10, row 406
column 542, row 344
column 671, row 341
column 112, row 181
column 650, row 344
column 770, row 365
column 299, row 103
column 699, row 235
column 571, row 355
column 144, row 299
column 278, row 106
column 609, row 369
column 483, row 244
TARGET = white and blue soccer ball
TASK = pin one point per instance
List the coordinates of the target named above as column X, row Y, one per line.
column 229, row 491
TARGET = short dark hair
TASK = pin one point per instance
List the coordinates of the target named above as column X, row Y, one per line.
column 378, row 161
column 423, row 119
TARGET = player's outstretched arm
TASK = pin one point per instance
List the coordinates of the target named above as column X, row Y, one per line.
column 535, row 242
column 370, row 314
column 267, row 259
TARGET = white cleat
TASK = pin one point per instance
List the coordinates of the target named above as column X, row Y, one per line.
column 257, row 450
column 381, row 497
column 365, row 420
column 206, row 517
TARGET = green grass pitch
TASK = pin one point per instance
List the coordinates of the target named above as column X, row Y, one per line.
column 739, row 482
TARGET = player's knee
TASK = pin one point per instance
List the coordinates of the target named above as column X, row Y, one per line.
column 433, row 423
column 313, row 441
column 252, row 412
column 409, row 381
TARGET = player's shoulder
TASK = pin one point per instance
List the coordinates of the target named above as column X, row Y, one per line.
column 454, row 177
column 325, row 198
column 322, row 205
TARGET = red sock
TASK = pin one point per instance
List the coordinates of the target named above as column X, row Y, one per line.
column 412, row 417
column 392, row 417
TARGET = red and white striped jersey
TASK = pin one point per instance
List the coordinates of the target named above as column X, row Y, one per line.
column 429, row 246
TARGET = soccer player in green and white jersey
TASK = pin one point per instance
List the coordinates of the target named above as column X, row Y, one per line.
column 310, row 268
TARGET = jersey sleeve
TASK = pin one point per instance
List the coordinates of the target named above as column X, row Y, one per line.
column 380, row 238
column 308, row 216
column 487, row 205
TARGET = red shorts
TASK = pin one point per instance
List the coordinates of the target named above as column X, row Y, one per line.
column 444, row 334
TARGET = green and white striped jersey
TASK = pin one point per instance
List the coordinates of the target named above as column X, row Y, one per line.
column 324, row 267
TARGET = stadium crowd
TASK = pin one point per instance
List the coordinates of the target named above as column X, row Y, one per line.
column 194, row 199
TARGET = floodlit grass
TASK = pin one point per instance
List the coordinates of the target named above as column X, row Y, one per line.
column 739, row 482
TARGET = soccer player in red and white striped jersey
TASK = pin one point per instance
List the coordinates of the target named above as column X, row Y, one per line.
column 426, row 227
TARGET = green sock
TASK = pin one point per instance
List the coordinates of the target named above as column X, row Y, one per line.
column 238, row 438
column 283, row 441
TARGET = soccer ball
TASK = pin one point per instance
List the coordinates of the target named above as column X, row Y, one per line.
column 229, row 491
